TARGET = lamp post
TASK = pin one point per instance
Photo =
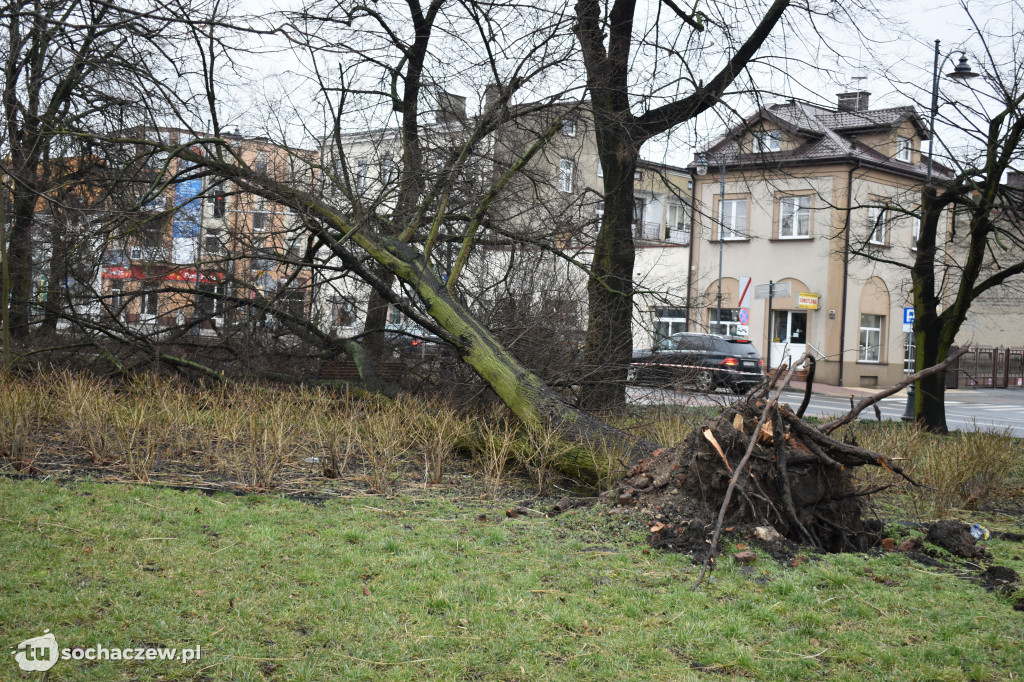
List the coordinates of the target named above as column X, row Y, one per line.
column 961, row 72
column 702, row 170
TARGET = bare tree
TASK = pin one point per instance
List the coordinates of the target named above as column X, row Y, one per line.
column 984, row 249
column 607, row 41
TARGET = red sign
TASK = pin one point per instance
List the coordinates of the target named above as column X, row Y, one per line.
column 121, row 272
column 182, row 275
column 190, row 275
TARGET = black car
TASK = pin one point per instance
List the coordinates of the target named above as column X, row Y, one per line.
column 701, row 361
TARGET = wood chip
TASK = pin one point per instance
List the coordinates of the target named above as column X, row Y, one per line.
column 718, row 448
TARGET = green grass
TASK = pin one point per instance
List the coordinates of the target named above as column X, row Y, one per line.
column 273, row 588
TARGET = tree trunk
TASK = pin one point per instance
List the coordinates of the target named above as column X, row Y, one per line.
column 19, row 252
column 609, row 345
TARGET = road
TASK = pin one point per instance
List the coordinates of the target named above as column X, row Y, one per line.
column 966, row 410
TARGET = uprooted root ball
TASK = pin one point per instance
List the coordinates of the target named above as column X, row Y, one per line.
column 798, row 480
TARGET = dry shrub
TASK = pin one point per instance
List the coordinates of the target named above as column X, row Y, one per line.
column 497, row 440
column 385, row 439
column 438, row 429
column 962, row 469
column 19, row 413
column 968, row 469
column 542, row 449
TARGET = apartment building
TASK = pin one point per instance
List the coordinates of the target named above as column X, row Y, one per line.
column 190, row 240
column 541, row 227
column 821, row 202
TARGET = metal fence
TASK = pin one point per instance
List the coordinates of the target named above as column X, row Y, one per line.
column 987, row 367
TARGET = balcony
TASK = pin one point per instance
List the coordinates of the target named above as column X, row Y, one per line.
column 148, row 254
column 649, row 231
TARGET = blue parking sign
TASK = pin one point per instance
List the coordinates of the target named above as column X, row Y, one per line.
column 908, row 316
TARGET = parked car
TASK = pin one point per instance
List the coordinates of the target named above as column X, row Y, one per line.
column 701, row 361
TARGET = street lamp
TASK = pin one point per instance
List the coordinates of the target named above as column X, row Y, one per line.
column 961, row 72
column 702, row 170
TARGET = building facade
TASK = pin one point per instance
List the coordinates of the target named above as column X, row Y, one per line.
column 821, row 202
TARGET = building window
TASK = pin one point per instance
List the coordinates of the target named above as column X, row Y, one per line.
column 871, row 338
column 150, row 306
column 666, row 322
column 260, row 167
column 388, row 170
column 767, row 140
column 599, row 209
column 117, row 299
column 728, row 326
column 211, row 305
column 677, row 224
column 343, row 313
column 565, row 173
column 600, row 169
column 259, row 221
column 732, row 219
column 569, row 127
column 794, row 217
column 878, row 224
column 211, row 241
column 220, row 202
column 362, row 173
column 293, row 302
column 904, row 149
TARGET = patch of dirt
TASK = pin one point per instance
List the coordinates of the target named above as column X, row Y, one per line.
column 1000, row 578
column 796, row 482
column 955, row 538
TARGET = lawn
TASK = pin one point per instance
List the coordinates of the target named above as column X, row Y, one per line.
column 429, row 583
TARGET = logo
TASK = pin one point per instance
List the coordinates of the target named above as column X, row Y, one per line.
column 38, row 654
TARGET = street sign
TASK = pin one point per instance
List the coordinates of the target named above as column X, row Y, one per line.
column 908, row 320
column 778, row 290
column 742, row 330
column 744, row 316
column 744, row 298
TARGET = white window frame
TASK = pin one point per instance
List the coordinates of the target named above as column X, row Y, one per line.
column 871, row 338
column 904, row 149
column 878, row 224
column 600, row 169
column 795, row 217
column 667, row 321
column 677, row 223
column 729, row 326
column 566, row 170
column 728, row 218
column 149, row 306
column 768, row 141
column 915, row 232
column 569, row 127
column 599, row 209
column 388, row 170
column 362, row 173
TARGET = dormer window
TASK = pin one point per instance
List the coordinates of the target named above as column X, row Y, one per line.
column 767, row 140
column 904, row 149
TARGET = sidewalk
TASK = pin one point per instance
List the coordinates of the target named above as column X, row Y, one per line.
column 841, row 391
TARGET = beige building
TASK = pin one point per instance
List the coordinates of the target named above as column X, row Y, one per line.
column 820, row 201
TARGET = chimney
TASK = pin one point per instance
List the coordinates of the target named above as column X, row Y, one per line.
column 491, row 94
column 450, row 107
column 854, row 101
